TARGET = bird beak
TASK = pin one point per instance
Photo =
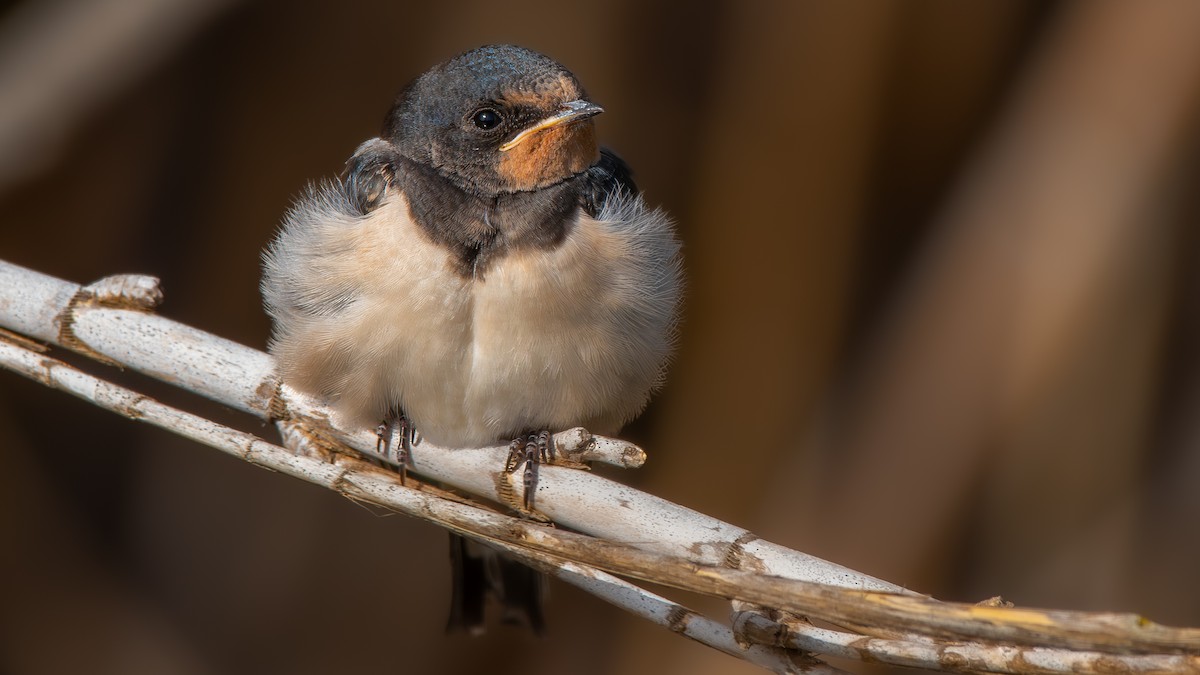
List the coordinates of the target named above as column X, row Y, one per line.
column 571, row 111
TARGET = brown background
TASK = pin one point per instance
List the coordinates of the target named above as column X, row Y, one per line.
column 941, row 322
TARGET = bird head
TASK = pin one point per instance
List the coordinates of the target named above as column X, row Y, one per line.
column 497, row 119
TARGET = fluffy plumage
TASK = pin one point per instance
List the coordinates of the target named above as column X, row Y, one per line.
column 372, row 314
column 482, row 267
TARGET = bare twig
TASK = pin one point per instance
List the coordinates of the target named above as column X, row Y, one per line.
column 98, row 320
column 362, row 481
column 955, row 657
column 665, row 543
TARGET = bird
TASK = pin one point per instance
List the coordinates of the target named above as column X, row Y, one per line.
column 482, row 272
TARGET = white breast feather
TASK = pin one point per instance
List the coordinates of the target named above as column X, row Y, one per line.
column 370, row 313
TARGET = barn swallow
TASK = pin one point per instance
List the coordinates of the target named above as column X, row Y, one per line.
column 481, row 272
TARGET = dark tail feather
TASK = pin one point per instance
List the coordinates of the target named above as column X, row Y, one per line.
column 478, row 570
column 469, row 588
column 522, row 594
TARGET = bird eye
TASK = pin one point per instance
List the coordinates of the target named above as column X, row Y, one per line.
column 486, row 119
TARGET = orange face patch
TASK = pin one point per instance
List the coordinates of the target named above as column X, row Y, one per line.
column 550, row 155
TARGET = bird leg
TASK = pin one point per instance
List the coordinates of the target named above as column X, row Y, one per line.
column 532, row 450
column 395, row 439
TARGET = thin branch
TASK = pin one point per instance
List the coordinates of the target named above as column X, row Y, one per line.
column 362, row 481
column 955, row 657
column 668, row 544
column 110, row 319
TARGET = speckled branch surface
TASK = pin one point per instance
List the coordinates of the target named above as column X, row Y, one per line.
column 624, row 531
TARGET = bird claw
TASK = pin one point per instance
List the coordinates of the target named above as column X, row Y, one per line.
column 395, row 438
column 532, row 450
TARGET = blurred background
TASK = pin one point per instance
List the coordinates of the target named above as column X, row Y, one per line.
column 941, row 326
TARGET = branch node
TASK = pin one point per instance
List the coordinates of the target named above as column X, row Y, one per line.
column 134, row 292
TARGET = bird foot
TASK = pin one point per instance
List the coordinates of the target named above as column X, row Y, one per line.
column 395, row 440
column 531, row 450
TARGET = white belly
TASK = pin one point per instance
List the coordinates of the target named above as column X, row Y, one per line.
column 548, row 338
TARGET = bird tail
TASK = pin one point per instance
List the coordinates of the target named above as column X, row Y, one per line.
column 478, row 571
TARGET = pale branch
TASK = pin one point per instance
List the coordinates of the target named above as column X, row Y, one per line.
column 552, row 550
column 664, row 612
column 949, row 656
column 672, row 545
column 110, row 319
column 364, row 482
